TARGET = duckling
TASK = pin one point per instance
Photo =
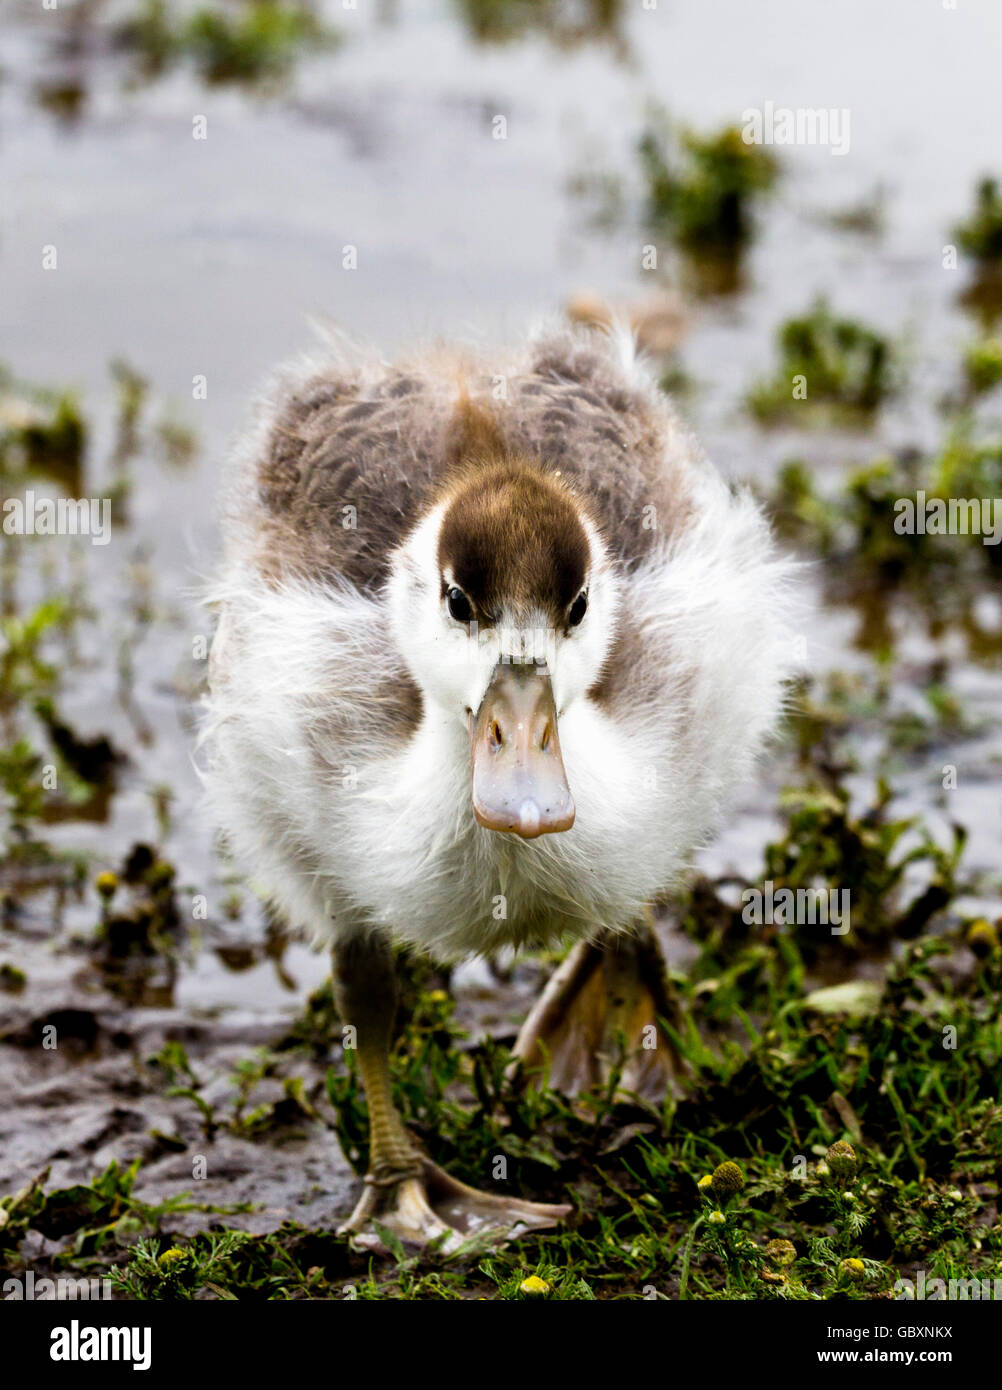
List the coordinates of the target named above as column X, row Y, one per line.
column 495, row 642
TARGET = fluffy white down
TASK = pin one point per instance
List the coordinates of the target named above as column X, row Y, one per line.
column 342, row 829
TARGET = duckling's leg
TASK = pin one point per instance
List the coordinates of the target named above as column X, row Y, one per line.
column 603, row 1008
column 404, row 1190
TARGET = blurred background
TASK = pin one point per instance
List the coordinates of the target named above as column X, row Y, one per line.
column 186, row 187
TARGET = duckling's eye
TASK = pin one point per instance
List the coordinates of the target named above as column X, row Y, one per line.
column 578, row 609
column 460, row 607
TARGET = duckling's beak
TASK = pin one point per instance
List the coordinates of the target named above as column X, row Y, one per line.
column 519, row 782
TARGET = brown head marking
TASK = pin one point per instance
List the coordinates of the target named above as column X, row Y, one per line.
column 513, row 534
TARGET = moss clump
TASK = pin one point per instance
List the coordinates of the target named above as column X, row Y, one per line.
column 841, row 365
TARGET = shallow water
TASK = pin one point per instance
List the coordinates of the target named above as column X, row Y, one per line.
column 210, row 257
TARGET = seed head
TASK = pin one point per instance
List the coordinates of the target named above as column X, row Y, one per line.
column 781, row 1253
column 841, row 1160
column 726, row 1180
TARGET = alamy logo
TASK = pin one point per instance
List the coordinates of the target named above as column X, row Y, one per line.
column 32, row 1290
column 806, row 125
column 76, row 1343
column 512, row 646
column 965, row 1290
column 32, row 515
column 797, row 907
column 955, row 516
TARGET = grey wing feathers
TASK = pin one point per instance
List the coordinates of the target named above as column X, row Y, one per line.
column 351, row 458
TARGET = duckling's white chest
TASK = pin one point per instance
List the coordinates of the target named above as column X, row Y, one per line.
column 422, row 864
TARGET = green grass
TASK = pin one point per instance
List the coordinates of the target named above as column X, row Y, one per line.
column 923, row 1121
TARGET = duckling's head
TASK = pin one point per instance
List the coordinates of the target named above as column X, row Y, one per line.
column 503, row 604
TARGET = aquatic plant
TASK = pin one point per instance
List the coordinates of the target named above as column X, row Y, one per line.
column 563, row 22
column 40, row 429
column 703, row 188
column 260, row 40
column 841, row 366
column 981, row 235
column 983, row 365
column 255, row 41
column 905, row 533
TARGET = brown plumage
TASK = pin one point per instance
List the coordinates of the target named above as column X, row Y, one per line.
column 512, row 532
column 388, row 444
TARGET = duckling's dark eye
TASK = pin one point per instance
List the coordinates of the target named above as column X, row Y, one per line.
column 460, row 607
column 578, row 609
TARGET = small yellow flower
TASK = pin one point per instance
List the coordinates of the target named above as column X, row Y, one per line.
column 716, row 1218
column 853, row 1269
column 726, row 1180
column 705, row 1182
column 173, row 1256
column 822, row 1169
column 534, row 1287
column 982, row 938
column 438, row 996
column 106, row 884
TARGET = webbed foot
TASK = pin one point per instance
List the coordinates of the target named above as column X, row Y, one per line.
column 427, row 1204
column 601, row 1009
